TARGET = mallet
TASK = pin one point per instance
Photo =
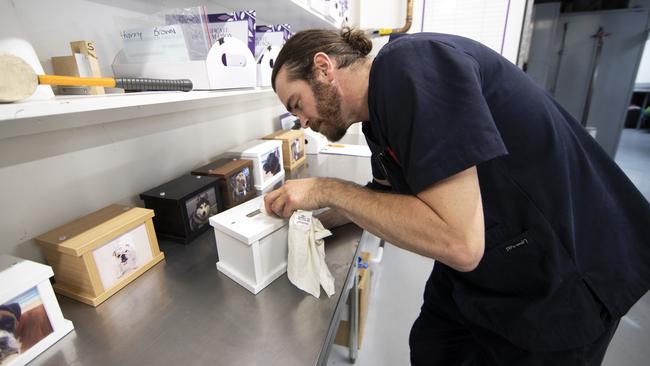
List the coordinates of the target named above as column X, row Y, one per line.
column 19, row 81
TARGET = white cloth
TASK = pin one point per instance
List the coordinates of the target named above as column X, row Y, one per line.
column 306, row 265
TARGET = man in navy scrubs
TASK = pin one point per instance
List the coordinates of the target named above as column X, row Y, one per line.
column 541, row 242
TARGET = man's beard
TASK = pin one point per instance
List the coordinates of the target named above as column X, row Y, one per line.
column 328, row 106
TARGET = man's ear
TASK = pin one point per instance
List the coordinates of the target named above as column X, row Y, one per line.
column 323, row 67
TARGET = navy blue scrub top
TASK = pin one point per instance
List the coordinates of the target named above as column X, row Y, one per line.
column 567, row 234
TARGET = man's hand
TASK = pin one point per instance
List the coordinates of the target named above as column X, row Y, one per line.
column 295, row 194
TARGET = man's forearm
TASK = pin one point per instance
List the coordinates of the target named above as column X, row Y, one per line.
column 403, row 220
column 332, row 218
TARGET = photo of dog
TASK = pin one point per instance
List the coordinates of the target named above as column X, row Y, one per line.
column 200, row 208
column 9, row 317
column 23, row 323
column 122, row 256
column 297, row 151
column 271, row 164
column 125, row 256
column 240, row 184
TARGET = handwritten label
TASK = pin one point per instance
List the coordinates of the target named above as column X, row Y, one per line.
column 156, row 44
column 161, row 32
column 126, row 35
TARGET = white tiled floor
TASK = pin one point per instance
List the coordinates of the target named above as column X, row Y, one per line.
column 399, row 282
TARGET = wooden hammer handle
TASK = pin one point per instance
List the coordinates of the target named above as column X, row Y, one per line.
column 124, row 83
column 75, row 81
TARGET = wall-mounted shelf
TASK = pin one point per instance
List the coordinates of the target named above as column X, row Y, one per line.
column 295, row 12
column 298, row 13
column 25, row 118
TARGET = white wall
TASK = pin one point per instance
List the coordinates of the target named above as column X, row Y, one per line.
column 388, row 14
column 51, row 25
column 643, row 75
column 52, row 178
column 49, row 179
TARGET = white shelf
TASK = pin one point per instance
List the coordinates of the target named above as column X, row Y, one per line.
column 297, row 13
column 25, row 118
column 19, row 119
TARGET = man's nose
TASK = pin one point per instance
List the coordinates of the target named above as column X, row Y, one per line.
column 304, row 121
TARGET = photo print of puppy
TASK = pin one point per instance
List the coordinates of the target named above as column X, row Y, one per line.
column 23, row 323
column 200, row 208
column 240, row 184
column 271, row 163
column 297, row 151
column 125, row 258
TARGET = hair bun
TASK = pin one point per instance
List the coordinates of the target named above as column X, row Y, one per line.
column 357, row 39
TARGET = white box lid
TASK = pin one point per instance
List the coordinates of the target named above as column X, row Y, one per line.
column 18, row 275
column 247, row 229
column 256, row 147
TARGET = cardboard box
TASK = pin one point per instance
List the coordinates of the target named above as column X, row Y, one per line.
column 183, row 206
column 265, row 62
column 238, row 24
column 252, row 246
column 365, row 283
column 229, row 63
column 271, row 35
column 235, row 180
column 95, row 256
column 293, row 147
column 29, row 312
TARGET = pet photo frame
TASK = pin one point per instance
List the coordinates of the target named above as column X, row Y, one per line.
column 183, row 206
column 241, row 184
column 297, row 148
column 293, row 147
column 95, row 256
column 30, row 317
column 235, row 179
column 200, row 207
column 122, row 256
column 271, row 164
column 267, row 157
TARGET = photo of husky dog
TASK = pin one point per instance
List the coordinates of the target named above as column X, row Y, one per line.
column 125, row 256
column 240, row 184
column 200, row 208
column 271, row 164
column 297, row 151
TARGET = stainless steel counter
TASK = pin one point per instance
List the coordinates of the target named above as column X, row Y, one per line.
column 184, row 312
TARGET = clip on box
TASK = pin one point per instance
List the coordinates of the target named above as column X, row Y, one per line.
column 183, row 206
column 265, row 62
column 235, row 180
column 293, row 147
column 96, row 255
column 268, row 169
column 252, row 246
column 30, row 315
